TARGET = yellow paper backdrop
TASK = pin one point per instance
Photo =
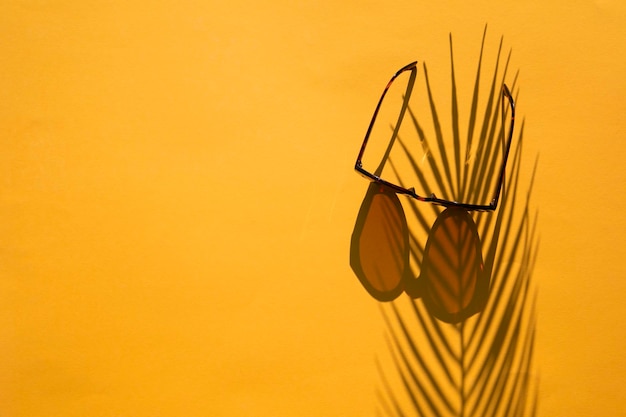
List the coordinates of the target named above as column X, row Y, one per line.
column 177, row 198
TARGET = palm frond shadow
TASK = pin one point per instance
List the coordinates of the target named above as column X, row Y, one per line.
column 482, row 365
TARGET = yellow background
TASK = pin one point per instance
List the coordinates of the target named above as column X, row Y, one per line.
column 177, row 198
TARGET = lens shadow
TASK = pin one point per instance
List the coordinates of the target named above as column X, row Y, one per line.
column 379, row 250
column 453, row 282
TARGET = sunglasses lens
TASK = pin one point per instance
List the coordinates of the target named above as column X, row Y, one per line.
column 379, row 253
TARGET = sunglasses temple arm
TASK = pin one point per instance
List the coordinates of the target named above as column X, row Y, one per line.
column 396, row 129
column 410, row 66
column 507, row 94
column 371, row 125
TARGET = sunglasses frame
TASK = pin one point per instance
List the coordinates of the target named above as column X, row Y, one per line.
column 358, row 166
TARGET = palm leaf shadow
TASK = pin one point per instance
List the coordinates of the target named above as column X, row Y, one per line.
column 481, row 366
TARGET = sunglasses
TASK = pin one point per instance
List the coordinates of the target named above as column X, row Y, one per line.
column 453, row 282
column 432, row 198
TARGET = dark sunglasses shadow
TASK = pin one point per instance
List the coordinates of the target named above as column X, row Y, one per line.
column 464, row 343
column 453, row 282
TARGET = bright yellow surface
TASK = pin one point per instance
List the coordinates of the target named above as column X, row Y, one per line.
column 177, row 198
